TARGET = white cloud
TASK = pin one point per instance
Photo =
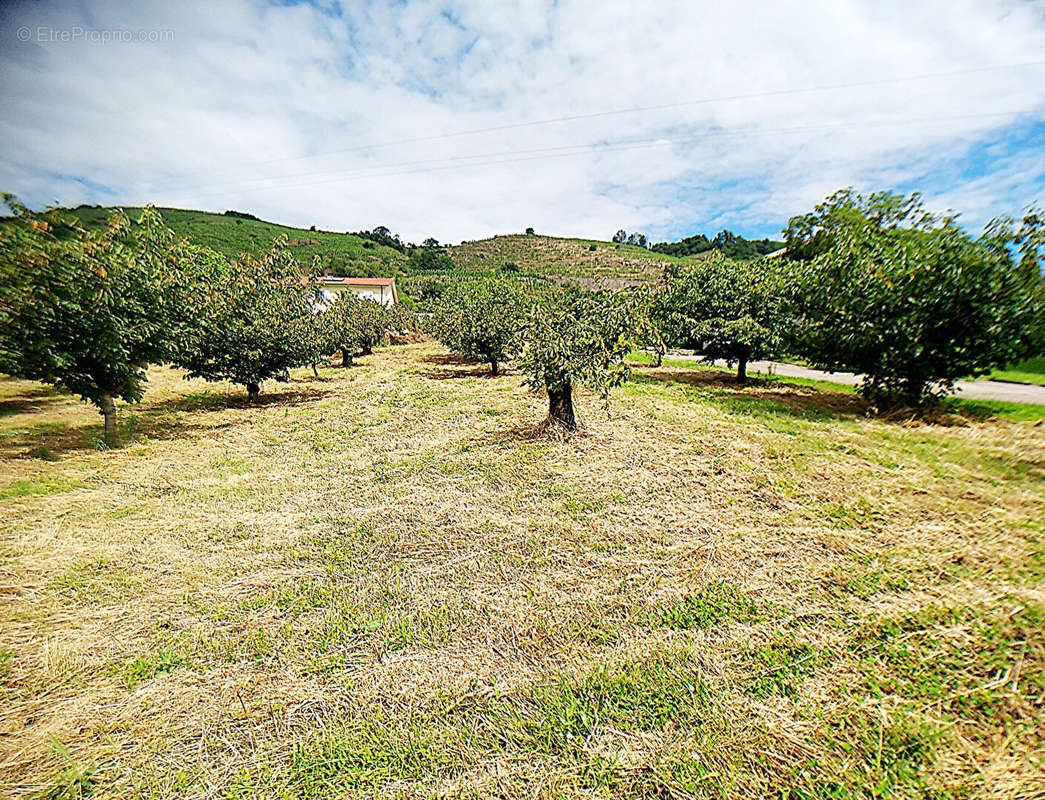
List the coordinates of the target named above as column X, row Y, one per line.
column 265, row 108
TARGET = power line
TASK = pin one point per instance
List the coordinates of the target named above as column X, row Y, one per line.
column 635, row 110
column 508, row 157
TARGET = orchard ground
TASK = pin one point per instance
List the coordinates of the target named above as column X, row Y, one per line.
column 379, row 583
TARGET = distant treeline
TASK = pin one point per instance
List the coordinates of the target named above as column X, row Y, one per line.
column 382, row 235
column 727, row 243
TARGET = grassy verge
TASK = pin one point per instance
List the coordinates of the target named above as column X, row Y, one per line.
column 1030, row 371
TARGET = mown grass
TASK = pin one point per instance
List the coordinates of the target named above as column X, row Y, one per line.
column 379, row 583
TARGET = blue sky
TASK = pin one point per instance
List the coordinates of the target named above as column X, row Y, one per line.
column 460, row 120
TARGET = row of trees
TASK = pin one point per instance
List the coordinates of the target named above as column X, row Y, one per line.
column 90, row 311
column 874, row 285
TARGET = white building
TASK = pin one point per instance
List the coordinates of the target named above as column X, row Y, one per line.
column 380, row 290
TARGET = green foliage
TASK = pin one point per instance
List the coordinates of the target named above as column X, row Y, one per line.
column 482, row 320
column 353, row 325
column 725, row 242
column 382, row 236
column 430, row 259
column 254, row 321
column 89, row 310
column 572, row 336
column 910, row 300
column 726, row 309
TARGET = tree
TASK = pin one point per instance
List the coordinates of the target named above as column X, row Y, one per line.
column 637, row 239
column 88, row 311
column 482, row 320
column 371, row 324
column 575, row 337
column 430, row 259
column 620, row 237
column 529, row 232
column 352, row 325
column 726, row 309
column 255, row 323
column 909, row 299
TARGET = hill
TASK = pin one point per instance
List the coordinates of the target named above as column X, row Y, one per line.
column 551, row 256
column 233, row 235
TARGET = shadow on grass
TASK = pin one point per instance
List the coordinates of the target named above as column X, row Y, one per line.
column 162, row 420
column 758, row 396
column 30, row 401
column 455, row 366
column 298, row 393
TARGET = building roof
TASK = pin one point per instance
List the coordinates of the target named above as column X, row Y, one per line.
column 330, row 280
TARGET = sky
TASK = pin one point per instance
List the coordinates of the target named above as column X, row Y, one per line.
column 461, row 120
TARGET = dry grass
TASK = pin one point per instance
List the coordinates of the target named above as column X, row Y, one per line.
column 379, row 583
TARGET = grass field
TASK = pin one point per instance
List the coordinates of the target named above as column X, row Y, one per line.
column 381, row 584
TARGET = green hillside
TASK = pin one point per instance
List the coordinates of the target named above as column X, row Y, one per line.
column 339, row 253
column 555, row 257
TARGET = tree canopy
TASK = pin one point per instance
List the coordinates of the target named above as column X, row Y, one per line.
column 254, row 324
column 88, row 311
column 482, row 320
column 578, row 337
column 882, row 287
column 725, row 309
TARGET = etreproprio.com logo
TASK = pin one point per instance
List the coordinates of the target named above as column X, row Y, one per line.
column 43, row 33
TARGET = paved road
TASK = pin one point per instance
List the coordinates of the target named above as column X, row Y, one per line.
column 972, row 390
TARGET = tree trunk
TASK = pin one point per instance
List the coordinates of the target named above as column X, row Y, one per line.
column 560, row 407
column 253, row 390
column 107, row 405
column 660, row 358
column 367, row 348
column 493, row 366
column 315, row 371
column 742, row 365
column 346, row 357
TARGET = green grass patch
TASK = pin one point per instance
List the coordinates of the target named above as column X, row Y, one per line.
column 38, row 487
column 149, row 666
column 1030, row 371
column 718, row 603
column 778, row 666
